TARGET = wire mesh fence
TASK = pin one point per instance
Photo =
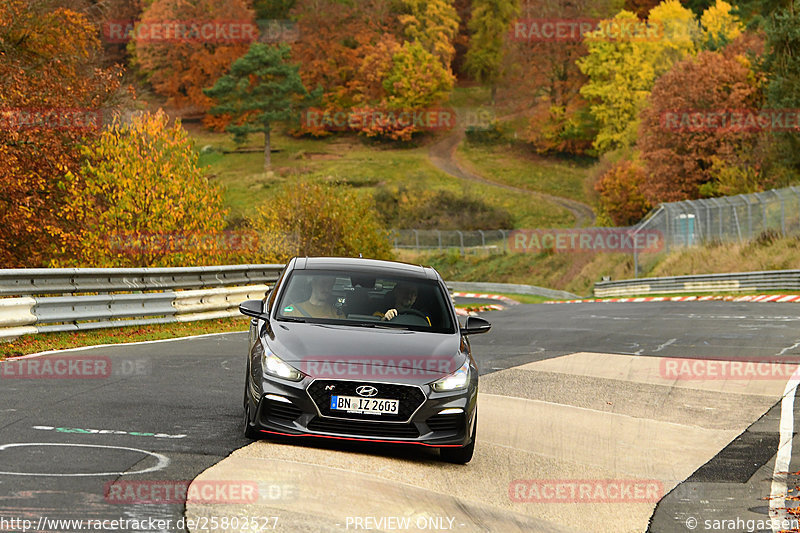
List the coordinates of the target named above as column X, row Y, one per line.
column 726, row 219
column 491, row 241
column 677, row 224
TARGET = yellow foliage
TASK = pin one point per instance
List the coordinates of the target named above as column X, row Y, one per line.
column 309, row 219
column 141, row 199
column 719, row 24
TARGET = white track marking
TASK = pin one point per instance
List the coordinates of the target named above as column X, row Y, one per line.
column 792, row 347
column 662, row 346
column 80, row 348
column 163, row 461
column 777, row 501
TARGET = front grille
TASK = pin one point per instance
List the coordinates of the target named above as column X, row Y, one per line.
column 274, row 410
column 365, row 429
column 410, row 397
column 446, row 422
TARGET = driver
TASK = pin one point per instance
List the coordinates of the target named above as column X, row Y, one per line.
column 404, row 297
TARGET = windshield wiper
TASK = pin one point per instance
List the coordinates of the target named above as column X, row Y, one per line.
column 291, row 319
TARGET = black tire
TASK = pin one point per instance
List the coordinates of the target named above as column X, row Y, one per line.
column 249, row 431
column 463, row 454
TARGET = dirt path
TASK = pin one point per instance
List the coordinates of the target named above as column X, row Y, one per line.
column 443, row 156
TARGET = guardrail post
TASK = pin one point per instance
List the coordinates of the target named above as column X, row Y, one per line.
column 439, row 235
column 505, row 239
column 461, row 239
column 483, row 238
column 416, row 239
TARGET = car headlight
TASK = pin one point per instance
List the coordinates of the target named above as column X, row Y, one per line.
column 457, row 380
column 274, row 366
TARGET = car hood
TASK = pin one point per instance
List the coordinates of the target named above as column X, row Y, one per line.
column 345, row 352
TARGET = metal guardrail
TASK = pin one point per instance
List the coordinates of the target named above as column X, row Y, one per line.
column 771, row 280
column 95, row 298
column 32, row 281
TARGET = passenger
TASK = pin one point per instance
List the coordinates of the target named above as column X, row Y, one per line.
column 320, row 303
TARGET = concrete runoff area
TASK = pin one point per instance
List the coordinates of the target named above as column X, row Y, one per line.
column 581, row 442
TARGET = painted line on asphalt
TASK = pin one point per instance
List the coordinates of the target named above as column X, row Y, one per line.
column 79, row 348
column 84, row 431
column 777, row 500
column 163, row 461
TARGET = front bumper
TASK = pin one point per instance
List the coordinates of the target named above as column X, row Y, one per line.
column 288, row 409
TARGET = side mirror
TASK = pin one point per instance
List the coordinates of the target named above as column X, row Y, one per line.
column 253, row 308
column 475, row 325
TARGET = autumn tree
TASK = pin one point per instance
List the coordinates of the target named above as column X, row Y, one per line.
column 783, row 68
column 541, row 75
column 272, row 9
column 261, row 89
column 640, row 8
column 338, row 44
column 433, row 24
column 720, row 26
column 416, row 79
column 687, row 131
column 141, row 199
column 489, row 26
column 622, row 71
column 621, row 194
column 375, row 58
column 180, row 66
column 310, row 219
column 53, row 99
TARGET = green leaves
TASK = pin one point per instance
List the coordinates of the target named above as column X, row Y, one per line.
column 262, row 88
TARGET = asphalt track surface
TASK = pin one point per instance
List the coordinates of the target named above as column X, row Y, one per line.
column 170, row 410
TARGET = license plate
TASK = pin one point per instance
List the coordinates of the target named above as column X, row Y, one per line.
column 366, row 406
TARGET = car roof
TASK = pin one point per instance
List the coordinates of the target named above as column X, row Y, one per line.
column 365, row 265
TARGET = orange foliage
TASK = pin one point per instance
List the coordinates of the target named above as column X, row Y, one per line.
column 679, row 160
column 46, row 60
column 181, row 69
column 620, row 194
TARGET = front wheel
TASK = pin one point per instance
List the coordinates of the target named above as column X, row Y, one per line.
column 463, row 454
column 249, row 431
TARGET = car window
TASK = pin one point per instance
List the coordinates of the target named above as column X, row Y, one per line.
column 366, row 299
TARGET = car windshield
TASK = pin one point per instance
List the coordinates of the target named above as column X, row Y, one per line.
column 365, row 299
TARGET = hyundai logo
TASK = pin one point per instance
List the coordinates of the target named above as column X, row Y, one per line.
column 367, row 391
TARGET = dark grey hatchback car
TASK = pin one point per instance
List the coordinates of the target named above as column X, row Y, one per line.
column 364, row 350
